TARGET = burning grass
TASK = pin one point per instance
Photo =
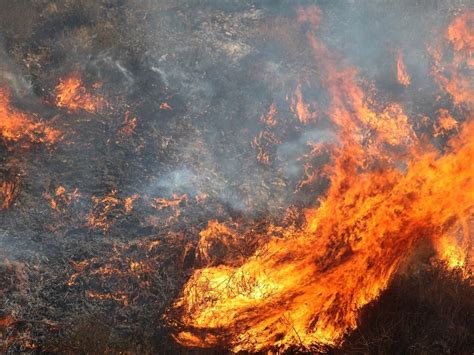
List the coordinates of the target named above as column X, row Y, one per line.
column 16, row 125
column 236, row 177
column 73, row 96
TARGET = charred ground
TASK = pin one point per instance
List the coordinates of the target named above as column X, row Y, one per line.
column 100, row 229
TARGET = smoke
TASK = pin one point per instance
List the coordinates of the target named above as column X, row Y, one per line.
column 219, row 66
column 210, row 85
column 223, row 64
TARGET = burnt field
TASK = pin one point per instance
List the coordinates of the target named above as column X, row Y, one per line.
column 236, row 176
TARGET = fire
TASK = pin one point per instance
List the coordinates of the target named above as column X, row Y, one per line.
column 61, row 198
column 128, row 126
column 215, row 241
column 402, row 74
column 107, row 209
column 352, row 184
column 453, row 73
column 307, row 286
column 173, row 204
column 120, row 297
column 461, row 33
column 129, row 201
column 263, row 143
column 388, row 193
column 266, row 139
column 269, row 118
column 301, row 109
column 102, row 214
column 452, row 254
column 165, row 106
column 73, row 96
column 8, row 191
column 446, row 123
column 16, row 125
column 456, row 247
column 6, row 321
column 123, row 276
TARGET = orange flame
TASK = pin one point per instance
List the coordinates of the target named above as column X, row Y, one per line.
column 165, row 106
column 269, row 118
column 16, row 125
column 461, row 33
column 300, row 108
column 456, row 247
column 446, row 123
column 128, row 126
column 307, row 286
column 174, row 202
column 451, row 76
column 73, row 96
column 8, row 191
column 107, row 209
column 61, row 198
column 129, row 201
column 388, row 192
column 266, row 139
column 262, row 143
column 402, row 74
column 120, row 297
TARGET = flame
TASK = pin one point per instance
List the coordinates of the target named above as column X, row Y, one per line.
column 108, row 208
column 120, row 297
column 311, row 15
column 173, row 204
column 61, row 198
column 165, row 106
column 269, row 118
column 214, row 242
column 402, row 74
column 128, row 126
column 307, row 287
column 129, row 201
column 456, row 247
column 451, row 73
column 300, row 108
column 452, row 254
column 446, row 123
column 124, row 275
column 6, row 320
column 263, row 143
column 8, row 191
column 461, row 33
column 265, row 140
column 388, row 192
column 73, row 96
column 100, row 217
column 16, row 125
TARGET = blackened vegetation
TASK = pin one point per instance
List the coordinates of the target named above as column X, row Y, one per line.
column 430, row 310
column 67, row 287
